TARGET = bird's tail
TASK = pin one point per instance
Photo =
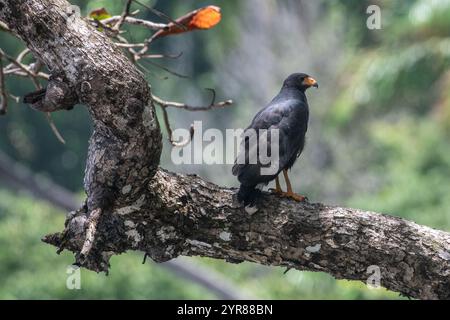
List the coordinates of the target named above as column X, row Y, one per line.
column 248, row 195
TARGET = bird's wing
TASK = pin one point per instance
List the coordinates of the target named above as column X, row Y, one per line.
column 290, row 117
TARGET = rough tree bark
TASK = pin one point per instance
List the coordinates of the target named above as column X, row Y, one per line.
column 141, row 207
column 17, row 177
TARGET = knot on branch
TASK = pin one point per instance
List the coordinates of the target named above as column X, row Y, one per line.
column 57, row 96
column 134, row 109
column 92, row 248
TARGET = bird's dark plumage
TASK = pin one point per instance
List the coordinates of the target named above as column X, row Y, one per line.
column 289, row 113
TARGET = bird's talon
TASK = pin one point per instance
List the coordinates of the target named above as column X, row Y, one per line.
column 296, row 197
column 299, row 198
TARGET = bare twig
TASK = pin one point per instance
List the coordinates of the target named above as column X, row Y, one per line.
column 129, row 45
column 28, row 71
column 19, row 73
column 118, row 21
column 159, row 56
column 22, row 55
column 179, row 105
column 149, row 72
column 160, row 14
column 124, row 15
column 23, row 68
column 165, row 104
column 19, row 58
column 16, row 63
column 178, row 144
column 166, row 69
column 123, row 41
column 135, row 21
column 25, row 71
column 54, row 128
column 15, row 98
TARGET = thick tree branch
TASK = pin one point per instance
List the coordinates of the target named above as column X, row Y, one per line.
column 184, row 215
column 17, row 177
column 87, row 67
column 167, row 215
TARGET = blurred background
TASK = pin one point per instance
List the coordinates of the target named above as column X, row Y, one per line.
column 378, row 138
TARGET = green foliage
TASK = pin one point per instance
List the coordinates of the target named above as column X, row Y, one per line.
column 397, row 99
column 417, row 160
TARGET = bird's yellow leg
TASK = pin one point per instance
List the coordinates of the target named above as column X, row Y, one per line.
column 290, row 194
column 278, row 186
column 277, row 189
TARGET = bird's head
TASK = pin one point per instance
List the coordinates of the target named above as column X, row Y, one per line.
column 300, row 81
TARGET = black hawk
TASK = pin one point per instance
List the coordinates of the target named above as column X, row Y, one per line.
column 288, row 114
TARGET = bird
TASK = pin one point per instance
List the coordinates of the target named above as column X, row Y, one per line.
column 288, row 112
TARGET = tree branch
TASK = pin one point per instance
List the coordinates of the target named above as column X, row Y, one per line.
column 179, row 105
column 17, row 177
column 167, row 215
column 136, row 21
column 185, row 215
column 125, row 14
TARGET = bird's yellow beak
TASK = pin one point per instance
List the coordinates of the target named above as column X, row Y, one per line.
column 310, row 82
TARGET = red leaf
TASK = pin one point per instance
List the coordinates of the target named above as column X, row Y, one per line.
column 200, row 19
